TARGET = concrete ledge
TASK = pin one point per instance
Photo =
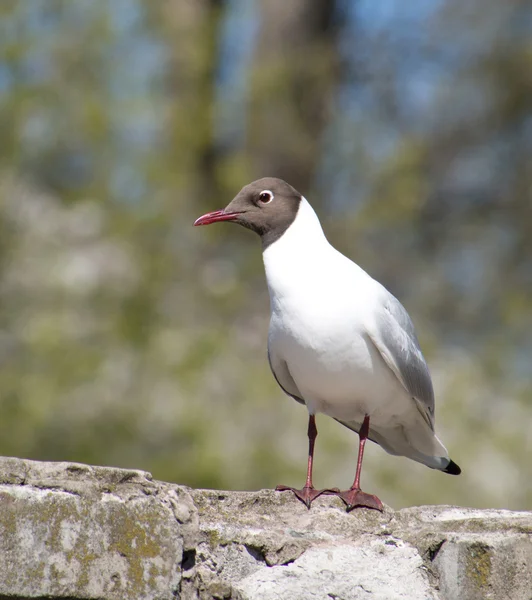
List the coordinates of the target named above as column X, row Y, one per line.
column 73, row 531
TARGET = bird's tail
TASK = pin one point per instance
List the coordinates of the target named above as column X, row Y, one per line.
column 417, row 442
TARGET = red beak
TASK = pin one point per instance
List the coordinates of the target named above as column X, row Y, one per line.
column 215, row 217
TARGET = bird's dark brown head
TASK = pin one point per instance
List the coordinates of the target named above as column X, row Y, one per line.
column 267, row 206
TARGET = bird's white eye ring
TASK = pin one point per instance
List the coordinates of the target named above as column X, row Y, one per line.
column 265, row 196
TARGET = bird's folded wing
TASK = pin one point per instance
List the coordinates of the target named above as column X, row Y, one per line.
column 284, row 379
column 394, row 337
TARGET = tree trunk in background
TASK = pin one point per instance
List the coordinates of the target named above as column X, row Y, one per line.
column 194, row 29
column 294, row 77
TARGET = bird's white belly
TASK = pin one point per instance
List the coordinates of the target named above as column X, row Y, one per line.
column 338, row 371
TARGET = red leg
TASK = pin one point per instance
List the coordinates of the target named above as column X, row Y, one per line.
column 354, row 496
column 308, row 493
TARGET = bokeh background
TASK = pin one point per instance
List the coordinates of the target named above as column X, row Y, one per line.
column 129, row 338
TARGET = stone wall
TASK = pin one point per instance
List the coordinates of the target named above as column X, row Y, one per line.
column 74, row 531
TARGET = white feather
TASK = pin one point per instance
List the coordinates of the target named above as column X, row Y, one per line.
column 323, row 309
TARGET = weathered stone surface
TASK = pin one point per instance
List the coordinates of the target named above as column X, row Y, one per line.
column 69, row 530
column 344, row 571
column 75, row 531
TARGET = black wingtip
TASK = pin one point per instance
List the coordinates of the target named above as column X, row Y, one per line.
column 452, row 468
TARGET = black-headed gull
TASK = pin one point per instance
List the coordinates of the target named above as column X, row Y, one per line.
column 338, row 342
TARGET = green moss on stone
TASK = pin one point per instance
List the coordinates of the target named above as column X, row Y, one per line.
column 214, row 538
column 478, row 565
column 134, row 531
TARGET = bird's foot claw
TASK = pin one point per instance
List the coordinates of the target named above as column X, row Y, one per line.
column 354, row 497
column 307, row 495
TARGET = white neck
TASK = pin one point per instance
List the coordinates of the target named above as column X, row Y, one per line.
column 303, row 234
column 297, row 254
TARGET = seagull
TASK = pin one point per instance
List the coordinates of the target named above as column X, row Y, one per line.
column 339, row 342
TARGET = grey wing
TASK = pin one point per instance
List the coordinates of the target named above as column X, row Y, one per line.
column 284, row 379
column 395, row 338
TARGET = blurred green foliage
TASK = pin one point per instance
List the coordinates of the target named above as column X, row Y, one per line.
column 129, row 338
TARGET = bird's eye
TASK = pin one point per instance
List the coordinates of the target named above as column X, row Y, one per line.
column 265, row 196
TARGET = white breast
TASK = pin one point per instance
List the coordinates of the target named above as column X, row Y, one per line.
column 320, row 303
